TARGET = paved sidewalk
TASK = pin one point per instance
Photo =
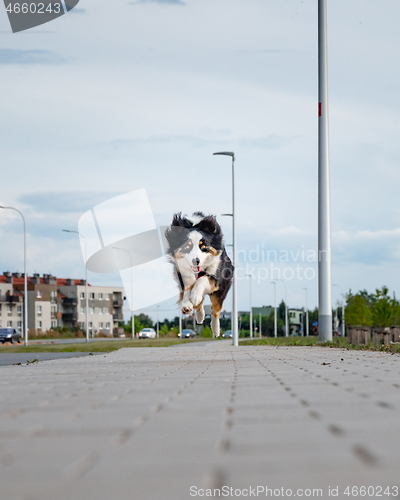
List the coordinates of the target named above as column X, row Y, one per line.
column 149, row 423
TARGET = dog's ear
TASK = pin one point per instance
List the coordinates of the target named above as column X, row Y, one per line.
column 178, row 232
column 209, row 225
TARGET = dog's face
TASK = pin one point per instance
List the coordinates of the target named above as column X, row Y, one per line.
column 197, row 250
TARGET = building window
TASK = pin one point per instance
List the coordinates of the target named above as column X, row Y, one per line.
column 54, row 324
column 0, row 309
column 101, row 325
column 9, row 310
column 9, row 323
column 39, row 310
column 92, row 296
column 0, row 323
column 82, row 310
column 19, row 324
column 53, row 296
column 107, row 326
column 39, row 325
column 100, row 310
column 106, row 310
column 90, row 325
column 82, row 325
column 39, row 294
column 82, row 295
column 108, row 296
column 100, row 296
column 19, row 310
column 92, row 310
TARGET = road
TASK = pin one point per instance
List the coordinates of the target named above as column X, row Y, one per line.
column 168, row 423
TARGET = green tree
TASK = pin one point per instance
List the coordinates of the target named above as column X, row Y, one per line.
column 385, row 310
column 357, row 311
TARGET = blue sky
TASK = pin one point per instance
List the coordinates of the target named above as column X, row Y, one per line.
column 106, row 100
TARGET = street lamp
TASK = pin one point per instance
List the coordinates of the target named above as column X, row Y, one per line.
column 25, row 276
column 251, row 310
column 286, row 308
column 86, row 282
column 235, row 336
column 324, row 204
column 158, row 328
column 343, row 321
column 307, row 325
column 275, row 317
column 131, row 301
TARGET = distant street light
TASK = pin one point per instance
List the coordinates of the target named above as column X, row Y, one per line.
column 286, row 308
column 260, row 327
column 251, row 309
column 343, row 321
column 131, row 301
column 324, row 203
column 275, row 317
column 25, row 276
column 86, row 282
column 307, row 325
column 158, row 328
column 234, row 320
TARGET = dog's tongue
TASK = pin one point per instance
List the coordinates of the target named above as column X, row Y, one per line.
column 197, row 269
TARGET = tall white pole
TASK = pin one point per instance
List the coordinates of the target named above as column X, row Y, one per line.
column 234, row 319
column 158, row 330
column 260, row 326
column 286, row 308
column 275, row 315
column 86, row 281
column 180, row 324
column 25, row 276
column 324, row 208
column 251, row 309
column 307, row 325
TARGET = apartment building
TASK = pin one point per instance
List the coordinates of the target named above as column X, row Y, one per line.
column 58, row 302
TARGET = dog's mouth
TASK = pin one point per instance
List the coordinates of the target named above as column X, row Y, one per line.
column 196, row 269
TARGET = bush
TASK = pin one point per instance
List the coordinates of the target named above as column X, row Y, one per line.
column 206, row 332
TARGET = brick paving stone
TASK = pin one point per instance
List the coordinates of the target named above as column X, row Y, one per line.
column 149, row 423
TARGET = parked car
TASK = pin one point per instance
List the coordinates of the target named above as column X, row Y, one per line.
column 228, row 334
column 9, row 335
column 187, row 334
column 147, row 333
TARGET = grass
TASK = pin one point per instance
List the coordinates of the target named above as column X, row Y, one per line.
column 97, row 346
column 313, row 341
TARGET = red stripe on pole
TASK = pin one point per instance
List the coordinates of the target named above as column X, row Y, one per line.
column 319, row 109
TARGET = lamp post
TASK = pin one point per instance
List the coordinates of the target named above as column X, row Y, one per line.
column 260, row 326
column 251, row 310
column 286, row 308
column 275, row 316
column 343, row 320
column 158, row 329
column 307, row 325
column 131, row 301
column 86, row 282
column 25, row 276
column 234, row 321
column 180, row 324
column 324, row 204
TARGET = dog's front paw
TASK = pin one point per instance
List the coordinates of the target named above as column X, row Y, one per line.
column 186, row 307
column 196, row 298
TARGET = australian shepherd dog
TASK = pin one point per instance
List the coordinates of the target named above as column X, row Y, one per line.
column 201, row 264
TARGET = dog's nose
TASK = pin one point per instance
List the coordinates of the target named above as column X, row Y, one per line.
column 196, row 262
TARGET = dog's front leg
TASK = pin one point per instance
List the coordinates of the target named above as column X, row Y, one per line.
column 186, row 304
column 201, row 287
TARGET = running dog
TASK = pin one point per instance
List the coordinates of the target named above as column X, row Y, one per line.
column 201, row 264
